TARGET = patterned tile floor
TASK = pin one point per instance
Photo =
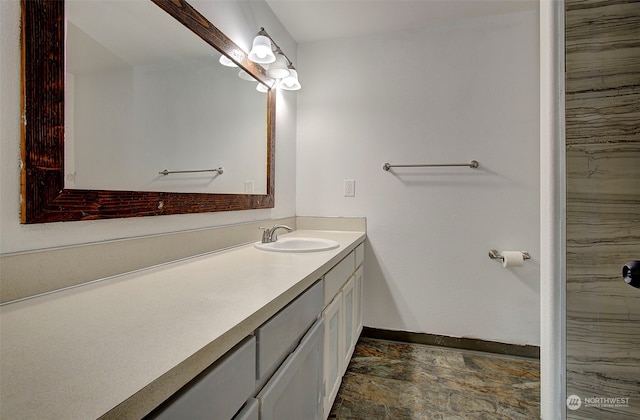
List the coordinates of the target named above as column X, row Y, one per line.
column 398, row 381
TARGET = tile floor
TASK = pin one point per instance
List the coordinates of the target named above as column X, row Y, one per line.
column 390, row 380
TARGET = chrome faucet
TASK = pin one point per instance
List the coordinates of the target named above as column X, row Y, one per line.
column 270, row 235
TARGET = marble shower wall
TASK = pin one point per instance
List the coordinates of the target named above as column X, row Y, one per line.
column 603, row 206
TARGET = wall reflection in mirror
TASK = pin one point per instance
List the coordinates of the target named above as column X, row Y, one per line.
column 143, row 94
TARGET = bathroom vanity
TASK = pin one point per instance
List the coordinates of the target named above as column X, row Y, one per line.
column 240, row 333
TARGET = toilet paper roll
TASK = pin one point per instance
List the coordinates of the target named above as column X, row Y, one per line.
column 512, row 259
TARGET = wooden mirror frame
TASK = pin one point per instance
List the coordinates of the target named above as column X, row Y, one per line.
column 43, row 196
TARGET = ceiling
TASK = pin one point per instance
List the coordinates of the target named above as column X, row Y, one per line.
column 318, row 20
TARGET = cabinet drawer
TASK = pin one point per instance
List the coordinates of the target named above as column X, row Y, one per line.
column 338, row 276
column 219, row 391
column 278, row 337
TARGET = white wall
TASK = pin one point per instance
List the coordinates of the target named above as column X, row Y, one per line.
column 452, row 92
column 240, row 20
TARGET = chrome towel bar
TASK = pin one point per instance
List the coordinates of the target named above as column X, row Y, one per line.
column 472, row 164
column 219, row 170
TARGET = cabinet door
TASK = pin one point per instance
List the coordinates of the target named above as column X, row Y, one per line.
column 348, row 319
column 295, row 390
column 333, row 336
column 359, row 299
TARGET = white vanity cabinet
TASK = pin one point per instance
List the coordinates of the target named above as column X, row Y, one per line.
column 217, row 330
column 342, row 315
column 291, row 366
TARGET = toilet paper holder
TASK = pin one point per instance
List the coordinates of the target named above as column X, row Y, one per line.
column 495, row 255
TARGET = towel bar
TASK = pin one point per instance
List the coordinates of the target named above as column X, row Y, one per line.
column 472, row 164
column 219, row 170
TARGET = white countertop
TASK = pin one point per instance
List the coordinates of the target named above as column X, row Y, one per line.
column 119, row 347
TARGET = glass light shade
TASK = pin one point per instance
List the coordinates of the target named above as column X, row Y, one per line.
column 246, row 76
column 278, row 69
column 226, row 61
column 262, row 88
column 291, row 82
column 261, row 52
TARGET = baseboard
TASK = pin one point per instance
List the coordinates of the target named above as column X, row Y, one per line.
column 528, row 351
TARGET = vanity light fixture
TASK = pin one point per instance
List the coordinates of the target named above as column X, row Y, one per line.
column 291, row 82
column 246, row 76
column 261, row 51
column 279, row 68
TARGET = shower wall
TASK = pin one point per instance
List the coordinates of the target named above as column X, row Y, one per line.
column 603, row 208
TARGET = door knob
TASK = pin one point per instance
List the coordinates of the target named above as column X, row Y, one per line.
column 631, row 273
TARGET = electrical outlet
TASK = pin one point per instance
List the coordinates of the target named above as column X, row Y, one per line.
column 349, row 188
column 248, row 187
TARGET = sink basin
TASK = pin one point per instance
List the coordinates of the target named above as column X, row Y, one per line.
column 298, row 244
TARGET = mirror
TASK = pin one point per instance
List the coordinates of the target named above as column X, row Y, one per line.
column 57, row 179
column 153, row 96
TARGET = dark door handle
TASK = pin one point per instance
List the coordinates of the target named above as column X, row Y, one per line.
column 631, row 273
